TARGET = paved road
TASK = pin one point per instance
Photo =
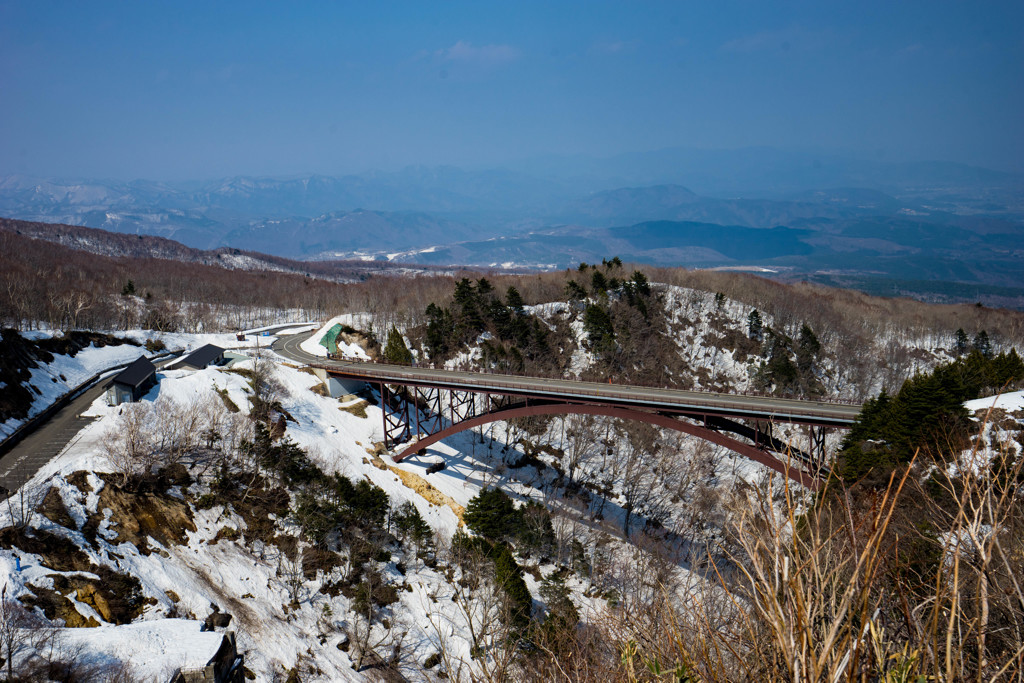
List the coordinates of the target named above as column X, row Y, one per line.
column 26, row 458
column 731, row 405
column 22, row 462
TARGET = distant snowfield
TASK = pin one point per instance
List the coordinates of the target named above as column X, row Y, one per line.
column 1009, row 402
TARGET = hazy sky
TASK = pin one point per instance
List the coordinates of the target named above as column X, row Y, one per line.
column 175, row 90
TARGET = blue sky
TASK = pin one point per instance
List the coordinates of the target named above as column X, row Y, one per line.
column 200, row 90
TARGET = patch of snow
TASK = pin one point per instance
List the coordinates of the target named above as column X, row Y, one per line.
column 1011, row 402
column 313, row 347
column 52, row 380
column 154, row 649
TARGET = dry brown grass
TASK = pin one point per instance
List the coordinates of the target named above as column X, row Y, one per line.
column 421, row 486
column 358, row 408
column 921, row 581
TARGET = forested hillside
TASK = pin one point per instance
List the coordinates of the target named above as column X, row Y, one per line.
column 574, row 548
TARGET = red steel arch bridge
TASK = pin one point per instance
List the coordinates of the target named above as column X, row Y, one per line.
column 432, row 404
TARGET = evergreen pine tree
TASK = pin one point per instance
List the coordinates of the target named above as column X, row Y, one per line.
column 395, row 351
column 780, row 369
column 411, row 524
column 514, row 300
column 982, row 344
column 509, row 576
column 483, row 287
column 1007, row 368
column 640, row 283
column 562, row 614
column 962, row 342
column 807, row 349
column 468, row 320
column 755, row 326
column 597, row 324
column 440, row 329
column 574, row 291
column 493, row 515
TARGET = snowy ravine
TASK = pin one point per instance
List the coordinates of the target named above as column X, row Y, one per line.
column 252, row 581
column 286, row 620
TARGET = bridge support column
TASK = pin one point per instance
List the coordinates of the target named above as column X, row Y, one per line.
column 461, row 406
column 817, row 438
column 396, row 419
column 429, row 410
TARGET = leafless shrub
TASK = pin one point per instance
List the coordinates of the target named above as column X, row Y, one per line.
column 920, row 581
column 25, row 637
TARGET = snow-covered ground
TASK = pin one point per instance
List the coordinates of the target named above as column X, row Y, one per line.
column 52, row 380
column 255, row 582
column 169, row 643
column 251, row 581
column 313, row 346
column 247, row 583
column 1011, row 402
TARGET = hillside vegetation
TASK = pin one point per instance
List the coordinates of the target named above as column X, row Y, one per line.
column 573, row 548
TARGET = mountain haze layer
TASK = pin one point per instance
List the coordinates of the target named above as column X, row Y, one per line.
column 799, row 214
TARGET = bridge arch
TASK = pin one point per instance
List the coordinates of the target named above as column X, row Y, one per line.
column 753, row 453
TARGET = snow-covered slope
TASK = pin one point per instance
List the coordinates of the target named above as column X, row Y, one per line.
column 314, row 347
column 213, row 553
column 1010, row 402
column 49, row 381
column 251, row 580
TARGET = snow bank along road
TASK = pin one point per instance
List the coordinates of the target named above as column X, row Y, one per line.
column 645, row 398
column 45, row 442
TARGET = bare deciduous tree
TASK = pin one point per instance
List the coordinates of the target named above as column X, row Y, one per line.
column 129, row 444
column 582, row 434
column 23, row 634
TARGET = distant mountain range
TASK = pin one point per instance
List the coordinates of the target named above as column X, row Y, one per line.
column 762, row 171
column 762, row 208
column 898, row 256
column 420, row 207
column 674, row 202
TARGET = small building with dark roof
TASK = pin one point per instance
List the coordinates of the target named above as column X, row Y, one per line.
column 202, row 357
column 132, row 383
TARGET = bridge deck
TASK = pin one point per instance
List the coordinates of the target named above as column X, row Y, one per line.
column 645, row 398
column 648, row 398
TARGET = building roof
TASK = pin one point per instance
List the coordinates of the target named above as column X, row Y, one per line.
column 136, row 374
column 202, row 356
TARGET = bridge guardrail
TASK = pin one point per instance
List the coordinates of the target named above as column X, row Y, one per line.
column 487, row 371
column 593, row 388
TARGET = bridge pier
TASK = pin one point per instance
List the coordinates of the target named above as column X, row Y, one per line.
column 396, row 420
